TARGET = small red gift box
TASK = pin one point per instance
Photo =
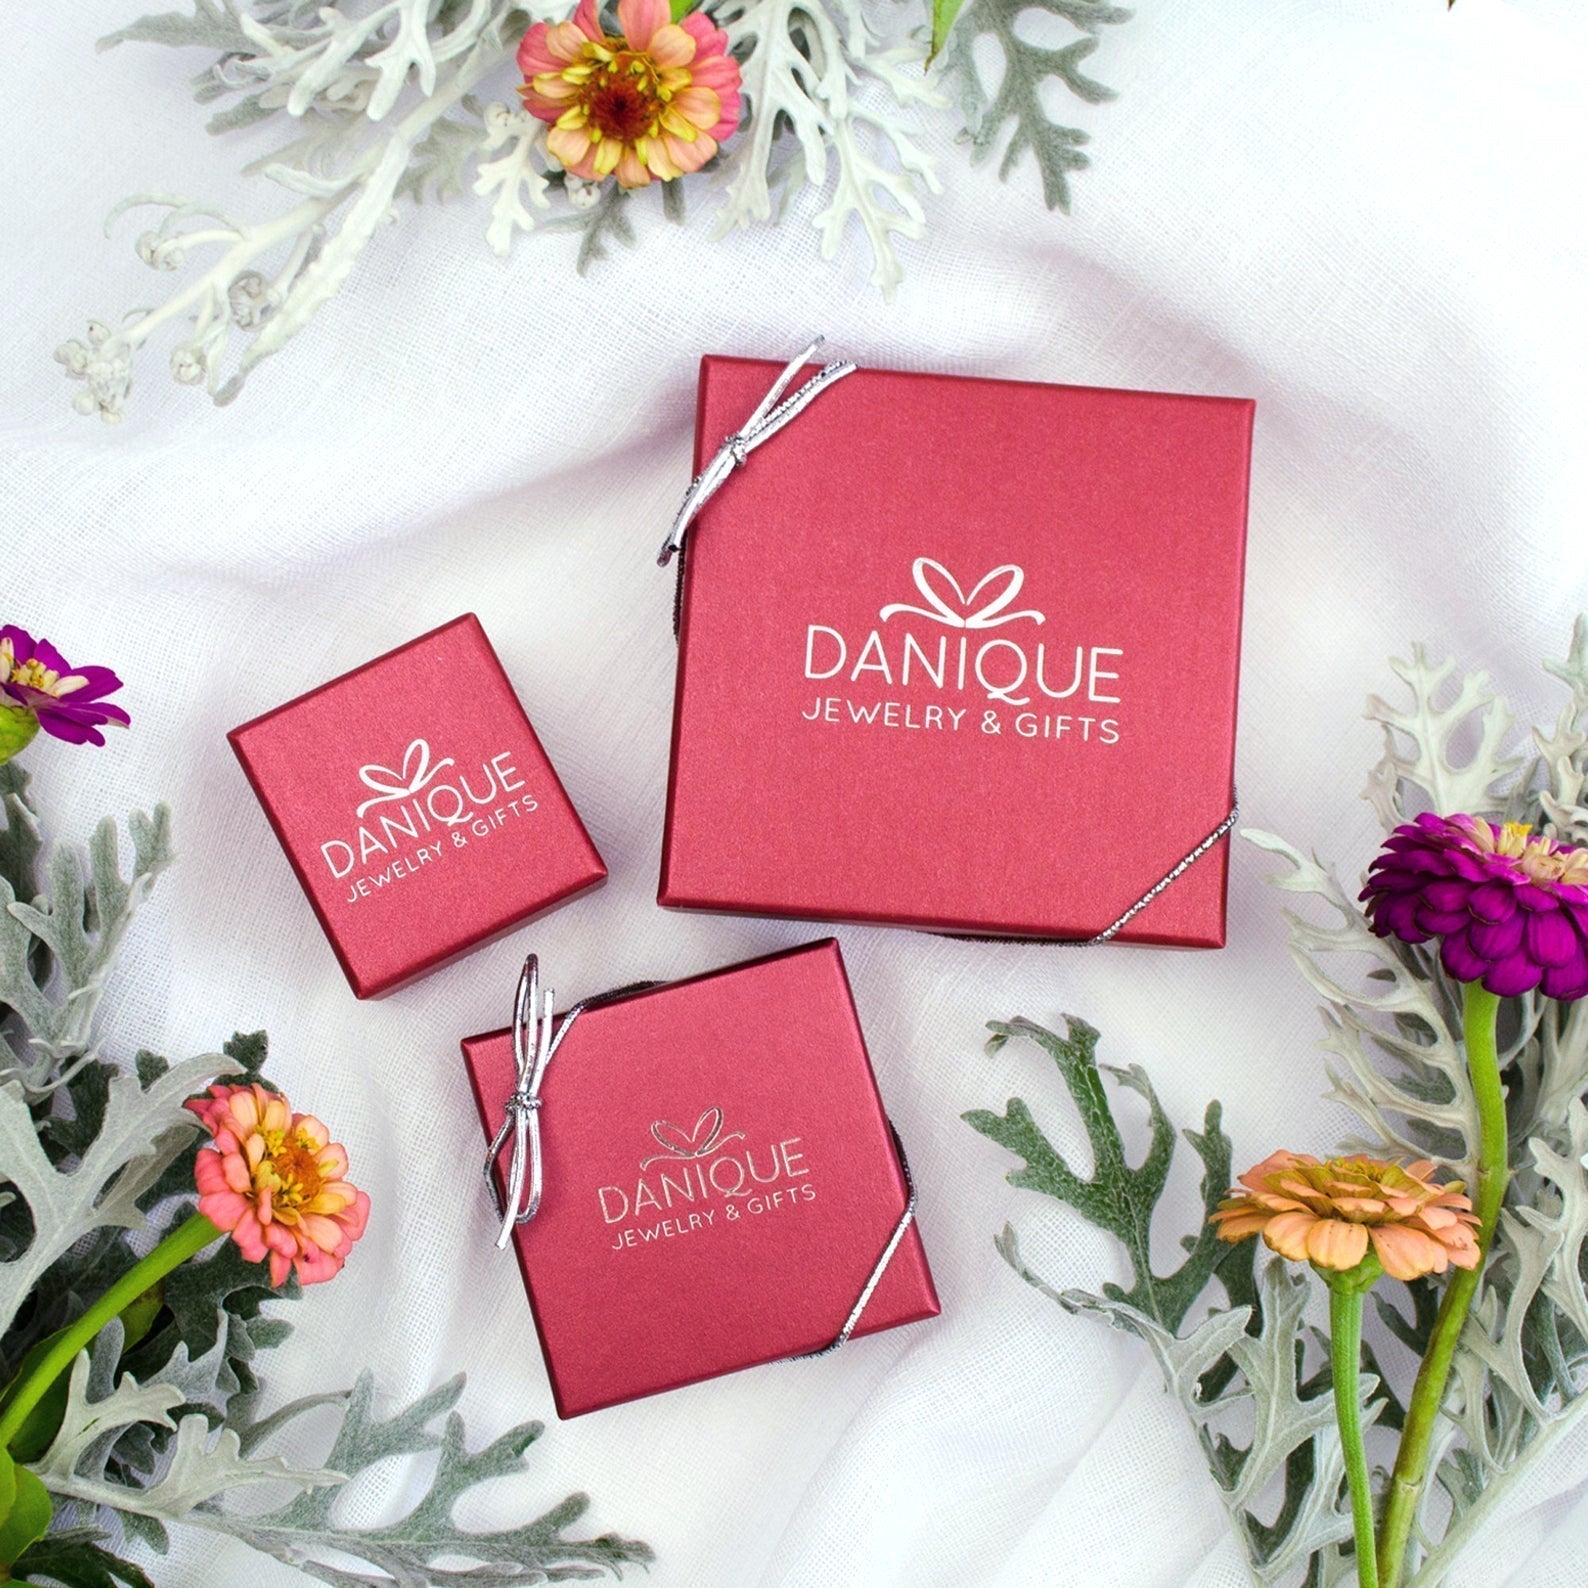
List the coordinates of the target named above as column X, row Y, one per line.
column 962, row 655
column 416, row 806
column 720, row 1181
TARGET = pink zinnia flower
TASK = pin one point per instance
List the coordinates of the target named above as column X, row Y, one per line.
column 275, row 1183
column 1509, row 906
column 655, row 102
column 38, row 683
column 1329, row 1214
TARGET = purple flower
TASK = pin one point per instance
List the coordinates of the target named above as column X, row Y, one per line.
column 36, row 680
column 1510, row 907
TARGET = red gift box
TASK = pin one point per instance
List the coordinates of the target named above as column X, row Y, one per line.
column 720, row 1181
column 417, row 807
column 962, row 655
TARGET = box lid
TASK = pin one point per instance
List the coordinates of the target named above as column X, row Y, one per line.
column 720, row 1181
column 962, row 655
column 416, row 806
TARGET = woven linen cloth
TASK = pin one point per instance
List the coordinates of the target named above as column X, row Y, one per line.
column 1357, row 212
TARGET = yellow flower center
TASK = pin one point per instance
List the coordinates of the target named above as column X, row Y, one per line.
column 35, row 675
column 290, row 1170
column 622, row 94
column 1539, row 857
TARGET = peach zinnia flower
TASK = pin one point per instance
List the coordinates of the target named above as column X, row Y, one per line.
column 655, row 102
column 275, row 1183
column 1328, row 1214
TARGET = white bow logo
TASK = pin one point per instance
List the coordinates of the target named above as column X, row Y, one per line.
column 388, row 785
column 935, row 583
column 705, row 1139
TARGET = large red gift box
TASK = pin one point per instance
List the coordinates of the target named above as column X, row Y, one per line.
column 417, row 807
column 720, row 1181
column 962, row 655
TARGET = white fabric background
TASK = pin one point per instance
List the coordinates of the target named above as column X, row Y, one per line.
column 1358, row 212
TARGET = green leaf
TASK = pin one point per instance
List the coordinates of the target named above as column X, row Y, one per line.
column 1118, row 1198
column 76, row 1559
column 681, row 8
column 27, row 1516
column 408, row 1551
column 943, row 14
column 1027, row 69
column 44, row 1421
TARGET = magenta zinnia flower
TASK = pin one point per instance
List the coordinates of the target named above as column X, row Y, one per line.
column 1509, row 906
column 37, row 682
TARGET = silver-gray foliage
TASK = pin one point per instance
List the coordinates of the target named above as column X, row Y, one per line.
column 1395, row 1042
column 426, row 1545
column 386, row 103
column 1025, row 69
column 159, row 1425
column 56, row 948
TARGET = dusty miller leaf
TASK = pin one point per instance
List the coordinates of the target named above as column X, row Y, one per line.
column 1288, row 1419
column 1535, row 1282
column 20, row 842
column 606, row 220
column 1026, row 69
column 803, row 65
column 1563, row 808
column 1400, row 1010
column 81, row 922
column 212, row 24
column 1421, row 758
column 440, row 159
column 1118, row 1198
column 143, row 1131
column 409, row 1551
column 98, row 1409
column 1239, row 1368
column 99, row 1406
column 516, row 179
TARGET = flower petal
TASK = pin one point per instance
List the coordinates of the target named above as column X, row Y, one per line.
column 1335, row 1243
column 1287, row 1234
column 641, row 20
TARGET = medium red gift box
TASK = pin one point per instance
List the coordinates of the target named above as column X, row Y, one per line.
column 962, row 655
column 417, row 807
column 720, row 1181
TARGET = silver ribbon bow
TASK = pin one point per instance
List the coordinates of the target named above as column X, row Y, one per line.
column 536, row 1037
column 769, row 417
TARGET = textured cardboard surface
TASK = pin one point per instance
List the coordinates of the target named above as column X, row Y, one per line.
column 720, row 1180
column 962, row 655
column 417, row 807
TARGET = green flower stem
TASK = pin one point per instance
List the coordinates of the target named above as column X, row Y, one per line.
column 1480, row 1018
column 187, row 1240
column 1345, row 1349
